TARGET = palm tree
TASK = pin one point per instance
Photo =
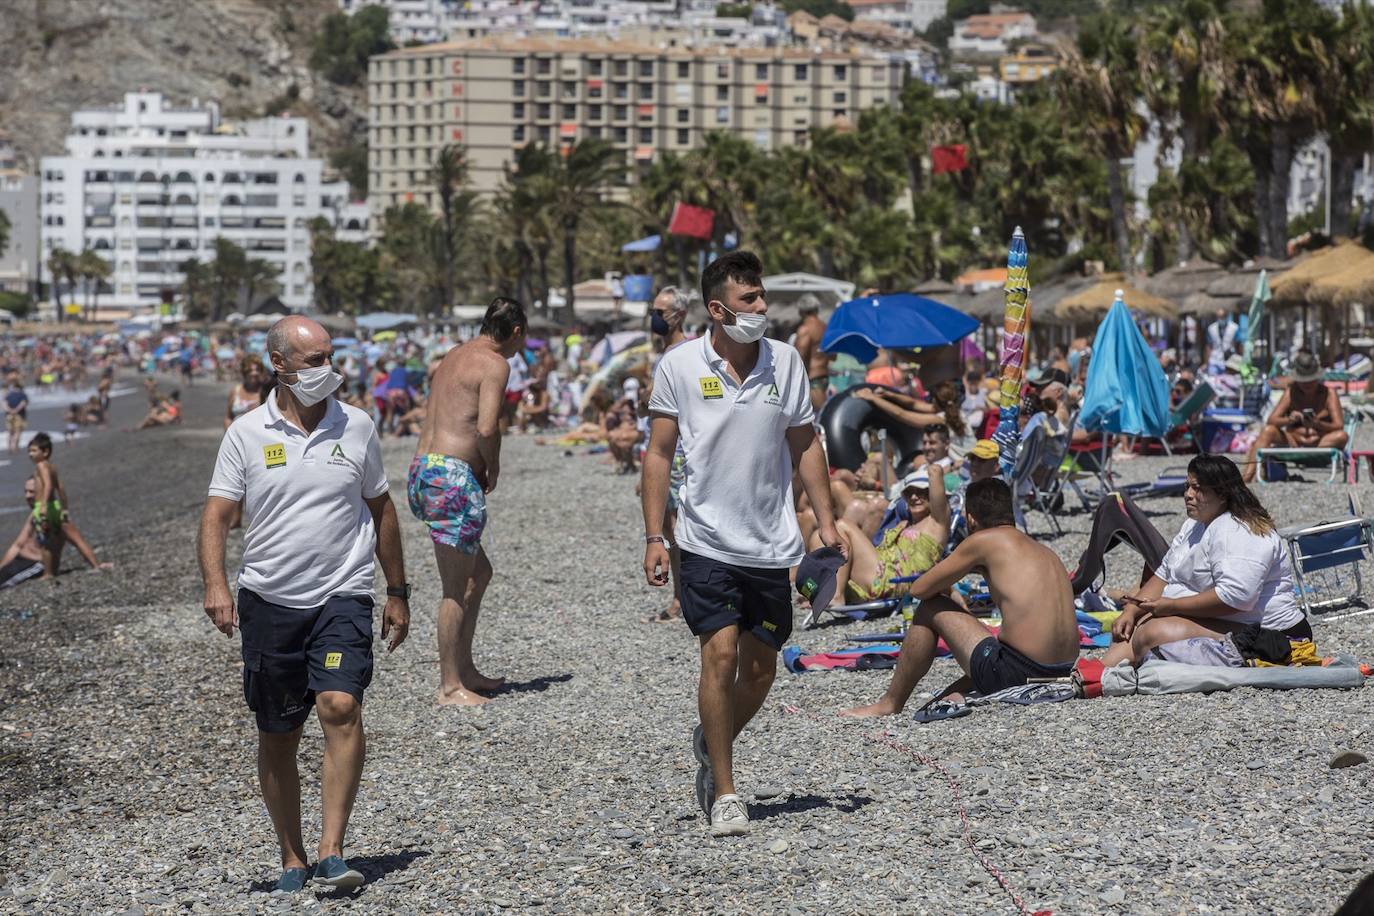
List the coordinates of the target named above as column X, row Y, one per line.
column 450, row 177
column 1184, row 76
column 1101, row 87
column 1283, row 61
column 62, row 264
column 1348, row 109
column 196, row 288
column 95, row 270
column 259, row 275
column 226, row 276
column 582, row 173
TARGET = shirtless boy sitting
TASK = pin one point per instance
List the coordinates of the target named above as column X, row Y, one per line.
column 1039, row 636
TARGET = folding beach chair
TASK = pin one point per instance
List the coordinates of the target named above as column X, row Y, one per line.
column 1338, row 459
column 1326, row 561
column 1187, row 416
column 1030, row 458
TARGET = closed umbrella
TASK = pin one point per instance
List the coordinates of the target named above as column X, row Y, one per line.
column 901, row 321
column 1126, row 391
column 1015, row 326
column 1257, row 302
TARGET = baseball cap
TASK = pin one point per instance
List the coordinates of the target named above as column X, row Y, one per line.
column 1039, row 378
column 816, row 577
column 631, row 387
column 985, row 448
column 919, row 479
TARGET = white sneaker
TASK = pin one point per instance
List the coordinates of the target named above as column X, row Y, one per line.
column 729, row 817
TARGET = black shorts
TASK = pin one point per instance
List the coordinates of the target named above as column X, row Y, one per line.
column 995, row 666
column 716, row 595
column 291, row 654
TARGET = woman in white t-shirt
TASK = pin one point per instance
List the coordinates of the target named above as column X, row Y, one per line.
column 1226, row 569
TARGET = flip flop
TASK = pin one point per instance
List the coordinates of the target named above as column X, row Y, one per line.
column 939, row 710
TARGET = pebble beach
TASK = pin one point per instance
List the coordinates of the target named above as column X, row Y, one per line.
column 128, row 784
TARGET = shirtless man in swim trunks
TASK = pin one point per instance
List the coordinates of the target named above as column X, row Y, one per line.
column 456, row 465
column 1039, row 635
column 817, row 362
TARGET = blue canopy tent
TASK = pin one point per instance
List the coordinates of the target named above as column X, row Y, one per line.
column 648, row 243
column 900, row 321
column 386, row 321
column 1127, row 391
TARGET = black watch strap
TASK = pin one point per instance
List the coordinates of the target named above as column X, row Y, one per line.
column 399, row 591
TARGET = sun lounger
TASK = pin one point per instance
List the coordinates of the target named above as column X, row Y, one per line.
column 1338, row 459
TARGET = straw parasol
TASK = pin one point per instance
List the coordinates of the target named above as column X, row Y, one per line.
column 1098, row 298
column 1294, row 286
column 934, row 288
column 1345, row 287
column 1179, row 282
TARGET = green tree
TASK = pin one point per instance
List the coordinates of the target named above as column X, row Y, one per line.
column 578, row 185
column 449, row 175
column 4, row 232
column 95, row 272
column 345, row 274
column 1348, row 109
column 351, row 161
column 410, row 255
column 1101, row 89
column 344, row 43
column 226, row 276
column 62, row 265
column 819, row 8
column 196, row 289
column 259, row 279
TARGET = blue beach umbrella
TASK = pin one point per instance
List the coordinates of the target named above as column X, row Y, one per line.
column 1126, row 391
column 900, row 321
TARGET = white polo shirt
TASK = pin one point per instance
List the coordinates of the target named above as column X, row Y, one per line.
column 736, row 504
column 308, row 534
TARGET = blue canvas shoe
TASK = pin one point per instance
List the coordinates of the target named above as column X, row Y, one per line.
column 334, row 872
column 292, row 880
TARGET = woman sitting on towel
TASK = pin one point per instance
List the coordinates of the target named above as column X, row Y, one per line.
column 1226, row 569
column 905, row 550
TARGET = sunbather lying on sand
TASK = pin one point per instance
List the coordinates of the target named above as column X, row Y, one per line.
column 1039, row 635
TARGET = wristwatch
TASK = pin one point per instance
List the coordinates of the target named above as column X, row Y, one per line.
column 657, row 539
column 399, row 591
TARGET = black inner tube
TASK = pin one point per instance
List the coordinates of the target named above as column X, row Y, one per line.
column 844, row 419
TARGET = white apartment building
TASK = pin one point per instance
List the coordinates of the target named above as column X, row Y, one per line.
column 991, row 33
column 413, row 20
column 905, row 16
column 148, row 184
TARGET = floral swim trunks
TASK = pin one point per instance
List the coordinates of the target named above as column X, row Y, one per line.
column 444, row 494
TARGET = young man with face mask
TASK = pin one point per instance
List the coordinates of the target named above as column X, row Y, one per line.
column 739, row 404
column 306, row 472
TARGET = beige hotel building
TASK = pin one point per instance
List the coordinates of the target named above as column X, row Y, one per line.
column 494, row 95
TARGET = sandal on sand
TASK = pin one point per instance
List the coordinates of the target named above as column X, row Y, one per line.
column 939, row 710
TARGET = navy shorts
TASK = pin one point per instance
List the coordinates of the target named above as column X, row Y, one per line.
column 291, row 654
column 995, row 666
column 716, row 595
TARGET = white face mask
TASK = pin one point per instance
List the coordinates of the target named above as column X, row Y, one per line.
column 314, row 384
column 747, row 328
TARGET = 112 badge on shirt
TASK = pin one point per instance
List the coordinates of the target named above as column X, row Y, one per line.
column 711, row 388
column 274, row 455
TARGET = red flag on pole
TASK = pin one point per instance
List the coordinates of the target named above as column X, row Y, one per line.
column 948, row 158
column 693, row 222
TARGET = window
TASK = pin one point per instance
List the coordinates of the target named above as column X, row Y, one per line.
column 761, row 138
column 621, row 90
column 621, row 135
column 799, row 72
column 543, row 110
column 569, row 90
column 517, row 111
column 517, row 66
column 722, row 93
column 543, row 66
column 799, row 137
column 683, row 116
column 543, row 89
column 722, row 71
column 840, row 98
column 517, row 88
column 646, row 91
column 760, row 98
column 518, row 133
column 594, row 132
column 620, row 112
column 683, row 137
column 646, row 135
column 722, row 115
column 594, row 67
column 593, row 112
column 684, row 70
column 760, row 71
column 569, row 112
column 646, row 68
column 839, row 113
column 622, row 68
column 543, row 135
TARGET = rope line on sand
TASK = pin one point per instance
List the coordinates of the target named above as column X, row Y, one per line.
column 953, row 783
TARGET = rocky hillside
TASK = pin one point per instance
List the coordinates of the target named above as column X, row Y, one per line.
column 61, row 55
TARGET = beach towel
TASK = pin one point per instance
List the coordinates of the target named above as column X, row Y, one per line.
column 1155, row 678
